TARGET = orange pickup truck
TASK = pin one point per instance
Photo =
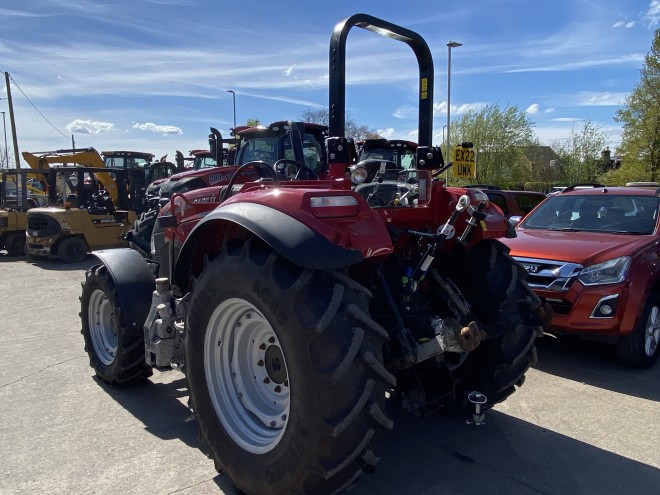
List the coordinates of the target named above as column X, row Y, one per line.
column 594, row 256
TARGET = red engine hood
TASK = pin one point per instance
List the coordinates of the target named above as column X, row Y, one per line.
column 579, row 247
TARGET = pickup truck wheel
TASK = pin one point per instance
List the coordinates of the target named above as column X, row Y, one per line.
column 117, row 358
column 509, row 311
column 639, row 349
column 285, row 372
column 15, row 244
column 72, row 250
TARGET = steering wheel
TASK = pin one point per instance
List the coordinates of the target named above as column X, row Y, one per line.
column 280, row 168
column 102, row 199
column 258, row 165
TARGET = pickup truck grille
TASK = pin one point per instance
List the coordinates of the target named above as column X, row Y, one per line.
column 549, row 274
column 40, row 225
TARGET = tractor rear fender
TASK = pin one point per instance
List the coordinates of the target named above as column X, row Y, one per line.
column 135, row 283
column 288, row 236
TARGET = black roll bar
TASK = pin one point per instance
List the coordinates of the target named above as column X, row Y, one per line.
column 337, row 76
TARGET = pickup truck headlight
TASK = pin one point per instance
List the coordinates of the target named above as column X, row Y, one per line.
column 607, row 272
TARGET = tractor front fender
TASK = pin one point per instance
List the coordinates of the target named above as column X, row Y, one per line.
column 134, row 281
column 288, row 236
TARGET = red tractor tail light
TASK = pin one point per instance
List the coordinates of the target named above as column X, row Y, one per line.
column 334, row 206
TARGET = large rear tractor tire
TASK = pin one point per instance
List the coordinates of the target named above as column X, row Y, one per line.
column 285, row 372
column 117, row 358
column 494, row 285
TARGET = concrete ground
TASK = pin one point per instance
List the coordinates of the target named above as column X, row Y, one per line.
column 581, row 424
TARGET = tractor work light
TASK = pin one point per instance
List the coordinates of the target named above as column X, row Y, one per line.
column 358, row 174
column 334, row 206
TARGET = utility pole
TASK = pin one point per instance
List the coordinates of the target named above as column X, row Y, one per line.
column 12, row 122
column 450, row 45
column 233, row 94
column 4, row 125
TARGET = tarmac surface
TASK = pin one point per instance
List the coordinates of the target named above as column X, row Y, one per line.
column 581, row 423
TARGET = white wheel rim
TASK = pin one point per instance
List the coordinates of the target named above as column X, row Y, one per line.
column 101, row 330
column 246, row 375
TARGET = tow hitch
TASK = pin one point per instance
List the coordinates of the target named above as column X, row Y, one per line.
column 477, row 399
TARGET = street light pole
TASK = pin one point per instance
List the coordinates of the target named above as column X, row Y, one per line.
column 450, row 45
column 233, row 94
column 4, row 125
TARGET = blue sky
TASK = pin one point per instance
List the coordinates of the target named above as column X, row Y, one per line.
column 153, row 75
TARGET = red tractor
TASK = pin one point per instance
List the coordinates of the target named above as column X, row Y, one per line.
column 300, row 313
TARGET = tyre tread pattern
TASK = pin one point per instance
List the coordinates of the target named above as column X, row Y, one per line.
column 508, row 305
column 338, row 345
column 129, row 365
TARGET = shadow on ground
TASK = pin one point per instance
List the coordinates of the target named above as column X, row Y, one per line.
column 436, row 455
column 162, row 408
column 595, row 364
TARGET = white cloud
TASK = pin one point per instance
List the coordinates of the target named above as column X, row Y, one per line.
column 79, row 126
column 624, row 24
column 587, row 98
column 567, row 119
column 533, row 109
column 653, row 13
column 160, row 129
column 289, row 71
column 405, row 112
column 440, row 108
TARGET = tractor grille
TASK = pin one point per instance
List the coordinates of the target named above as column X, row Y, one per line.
column 40, row 225
column 549, row 274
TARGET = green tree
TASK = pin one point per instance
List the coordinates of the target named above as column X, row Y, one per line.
column 580, row 154
column 496, row 134
column 322, row 116
column 640, row 147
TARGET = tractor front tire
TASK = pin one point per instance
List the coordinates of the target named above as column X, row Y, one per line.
column 117, row 358
column 140, row 238
column 285, row 373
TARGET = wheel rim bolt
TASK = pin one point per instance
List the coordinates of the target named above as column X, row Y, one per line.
column 266, row 380
column 278, row 389
column 260, row 363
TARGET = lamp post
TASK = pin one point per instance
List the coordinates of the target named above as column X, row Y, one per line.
column 4, row 125
column 450, row 45
column 233, row 94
